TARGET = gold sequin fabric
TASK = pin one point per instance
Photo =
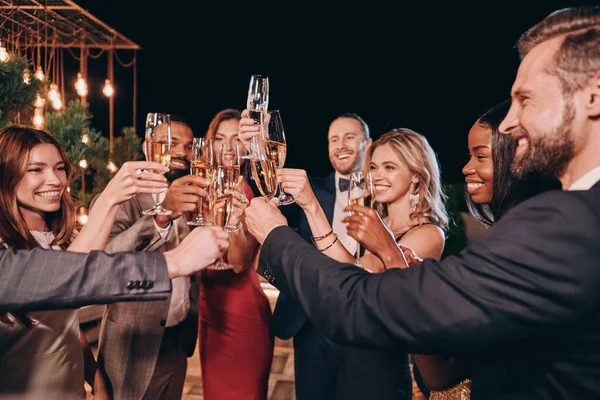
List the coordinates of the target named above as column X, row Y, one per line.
column 461, row 391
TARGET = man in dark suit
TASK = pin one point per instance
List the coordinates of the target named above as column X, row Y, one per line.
column 40, row 279
column 316, row 358
column 521, row 303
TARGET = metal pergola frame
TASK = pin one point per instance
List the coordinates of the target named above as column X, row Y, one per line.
column 60, row 23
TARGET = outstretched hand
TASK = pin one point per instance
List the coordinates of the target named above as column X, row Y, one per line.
column 262, row 217
column 133, row 178
column 201, row 248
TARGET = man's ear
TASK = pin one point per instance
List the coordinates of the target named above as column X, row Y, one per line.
column 592, row 104
column 367, row 143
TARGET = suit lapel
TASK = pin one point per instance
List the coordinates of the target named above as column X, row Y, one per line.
column 328, row 203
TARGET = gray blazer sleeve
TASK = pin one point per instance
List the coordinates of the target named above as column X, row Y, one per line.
column 131, row 230
column 46, row 279
column 525, row 284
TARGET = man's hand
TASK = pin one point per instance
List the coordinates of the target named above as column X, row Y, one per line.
column 201, row 248
column 262, row 217
column 295, row 182
column 184, row 195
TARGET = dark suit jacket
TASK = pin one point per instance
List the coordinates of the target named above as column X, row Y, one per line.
column 288, row 318
column 46, row 279
column 522, row 303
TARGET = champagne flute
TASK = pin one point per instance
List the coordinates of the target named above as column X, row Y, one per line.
column 157, row 147
column 275, row 149
column 202, row 165
column 228, row 175
column 360, row 193
column 264, row 171
column 257, row 104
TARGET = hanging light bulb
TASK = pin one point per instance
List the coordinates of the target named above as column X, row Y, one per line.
column 112, row 167
column 81, row 85
column 38, row 117
column 82, row 216
column 39, row 101
column 3, row 52
column 39, row 73
column 85, row 139
column 108, row 89
column 83, row 163
column 54, row 97
column 26, row 76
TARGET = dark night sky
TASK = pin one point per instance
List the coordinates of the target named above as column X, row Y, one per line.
column 430, row 68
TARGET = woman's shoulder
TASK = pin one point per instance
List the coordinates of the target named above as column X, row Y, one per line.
column 426, row 229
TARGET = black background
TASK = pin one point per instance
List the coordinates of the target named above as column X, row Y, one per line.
column 430, row 67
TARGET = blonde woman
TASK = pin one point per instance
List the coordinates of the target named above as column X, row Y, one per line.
column 408, row 194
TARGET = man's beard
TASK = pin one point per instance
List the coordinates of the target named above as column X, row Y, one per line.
column 549, row 154
column 174, row 173
column 355, row 165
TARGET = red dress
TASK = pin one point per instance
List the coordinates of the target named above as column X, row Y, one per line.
column 236, row 347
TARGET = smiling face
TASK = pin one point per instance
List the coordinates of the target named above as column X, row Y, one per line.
column 43, row 184
column 391, row 177
column 347, row 145
column 479, row 171
column 227, row 135
column 181, row 150
column 541, row 118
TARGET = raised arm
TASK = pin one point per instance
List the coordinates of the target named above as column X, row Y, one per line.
column 502, row 292
column 133, row 178
column 295, row 182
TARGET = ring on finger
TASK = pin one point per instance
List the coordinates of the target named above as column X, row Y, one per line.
column 138, row 173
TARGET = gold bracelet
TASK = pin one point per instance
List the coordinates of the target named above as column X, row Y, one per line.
column 332, row 243
column 317, row 238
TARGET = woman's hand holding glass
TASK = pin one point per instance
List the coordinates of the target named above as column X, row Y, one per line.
column 295, row 182
column 248, row 129
column 366, row 226
column 133, row 178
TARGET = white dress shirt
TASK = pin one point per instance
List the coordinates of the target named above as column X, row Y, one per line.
column 180, row 295
column 341, row 202
column 588, row 180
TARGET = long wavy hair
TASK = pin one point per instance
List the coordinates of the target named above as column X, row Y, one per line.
column 507, row 191
column 225, row 115
column 416, row 153
column 16, row 143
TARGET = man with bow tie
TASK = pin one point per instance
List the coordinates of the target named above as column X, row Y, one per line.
column 316, row 357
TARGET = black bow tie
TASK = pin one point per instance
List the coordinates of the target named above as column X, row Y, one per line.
column 343, row 184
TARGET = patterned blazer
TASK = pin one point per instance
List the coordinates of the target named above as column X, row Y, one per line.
column 131, row 333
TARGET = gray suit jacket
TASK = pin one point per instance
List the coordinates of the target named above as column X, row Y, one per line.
column 47, row 279
column 132, row 333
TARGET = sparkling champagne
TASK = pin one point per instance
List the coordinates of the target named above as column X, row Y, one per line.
column 159, row 152
column 228, row 176
column 276, row 152
column 201, row 169
column 221, row 208
column 264, row 174
column 256, row 115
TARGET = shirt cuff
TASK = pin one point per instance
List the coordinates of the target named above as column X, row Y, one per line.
column 163, row 232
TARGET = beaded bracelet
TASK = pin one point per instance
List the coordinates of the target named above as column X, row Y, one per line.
column 332, row 243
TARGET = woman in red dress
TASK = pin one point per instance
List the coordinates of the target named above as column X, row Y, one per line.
column 236, row 347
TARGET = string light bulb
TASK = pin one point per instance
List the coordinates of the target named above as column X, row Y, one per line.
column 111, row 166
column 3, row 52
column 26, row 76
column 39, row 74
column 108, row 88
column 39, row 101
column 81, row 85
column 83, row 163
column 82, row 216
column 85, row 139
column 54, row 97
column 38, row 117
